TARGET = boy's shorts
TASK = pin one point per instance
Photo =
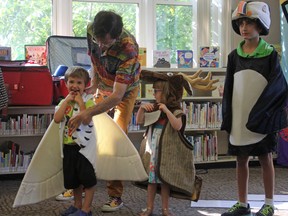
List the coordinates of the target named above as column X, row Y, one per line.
column 77, row 169
column 265, row 146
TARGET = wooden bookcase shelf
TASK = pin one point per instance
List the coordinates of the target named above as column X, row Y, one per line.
column 36, row 120
column 198, row 98
column 28, row 141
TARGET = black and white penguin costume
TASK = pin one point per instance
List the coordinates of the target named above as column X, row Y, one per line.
column 255, row 92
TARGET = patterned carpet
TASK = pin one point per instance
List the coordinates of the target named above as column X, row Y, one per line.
column 218, row 184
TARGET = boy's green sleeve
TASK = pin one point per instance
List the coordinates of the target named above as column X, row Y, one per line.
column 90, row 103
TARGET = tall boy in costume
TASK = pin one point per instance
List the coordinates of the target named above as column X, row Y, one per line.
column 254, row 102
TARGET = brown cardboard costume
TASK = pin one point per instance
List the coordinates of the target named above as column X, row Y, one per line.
column 175, row 156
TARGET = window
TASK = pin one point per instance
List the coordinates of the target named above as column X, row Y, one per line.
column 216, row 22
column 187, row 24
column 156, row 24
column 174, row 20
column 84, row 12
column 24, row 22
column 174, row 26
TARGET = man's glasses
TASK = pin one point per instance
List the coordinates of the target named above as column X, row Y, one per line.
column 101, row 43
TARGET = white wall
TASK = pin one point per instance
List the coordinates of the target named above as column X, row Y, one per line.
column 274, row 36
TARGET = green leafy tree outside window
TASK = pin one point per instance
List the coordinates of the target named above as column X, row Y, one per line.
column 84, row 12
column 174, row 28
column 24, row 22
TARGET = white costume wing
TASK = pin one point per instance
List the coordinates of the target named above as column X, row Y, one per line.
column 117, row 158
column 44, row 176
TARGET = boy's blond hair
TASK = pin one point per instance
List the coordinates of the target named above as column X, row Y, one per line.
column 78, row 72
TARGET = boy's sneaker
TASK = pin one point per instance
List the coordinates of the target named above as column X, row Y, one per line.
column 113, row 204
column 266, row 210
column 238, row 210
column 69, row 211
column 65, row 196
column 79, row 212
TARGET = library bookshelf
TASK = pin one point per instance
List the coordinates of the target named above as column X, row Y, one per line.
column 211, row 140
column 210, row 143
column 20, row 134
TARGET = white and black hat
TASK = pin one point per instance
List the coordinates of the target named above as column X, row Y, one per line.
column 259, row 11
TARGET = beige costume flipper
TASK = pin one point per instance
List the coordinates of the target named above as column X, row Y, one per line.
column 117, row 158
column 44, row 177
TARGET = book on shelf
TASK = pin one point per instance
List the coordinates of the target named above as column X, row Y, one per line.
column 185, row 58
column 14, row 161
column 209, row 56
column 139, row 95
column 162, row 58
column 142, row 56
column 36, row 54
column 133, row 126
column 5, row 53
column 218, row 92
column 205, row 147
column 26, row 124
column 185, row 93
column 203, row 115
column 149, row 91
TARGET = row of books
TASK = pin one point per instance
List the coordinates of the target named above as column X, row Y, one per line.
column 25, row 124
column 12, row 159
column 208, row 57
column 205, row 147
column 203, row 115
column 18, row 164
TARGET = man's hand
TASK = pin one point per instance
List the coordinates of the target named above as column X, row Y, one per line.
column 83, row 117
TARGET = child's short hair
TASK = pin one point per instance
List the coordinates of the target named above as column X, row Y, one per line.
column 78, row 72
column 239, row 21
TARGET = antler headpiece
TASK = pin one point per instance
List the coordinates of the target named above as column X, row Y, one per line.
column 178, row 81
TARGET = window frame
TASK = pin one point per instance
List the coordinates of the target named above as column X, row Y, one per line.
column 146, row 30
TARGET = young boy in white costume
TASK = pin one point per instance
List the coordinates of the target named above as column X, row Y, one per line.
column 78, row 170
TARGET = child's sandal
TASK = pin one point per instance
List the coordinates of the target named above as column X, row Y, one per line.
column 147, row 212
column 165, row 212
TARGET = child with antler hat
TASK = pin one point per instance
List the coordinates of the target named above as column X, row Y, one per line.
column 165, row 152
